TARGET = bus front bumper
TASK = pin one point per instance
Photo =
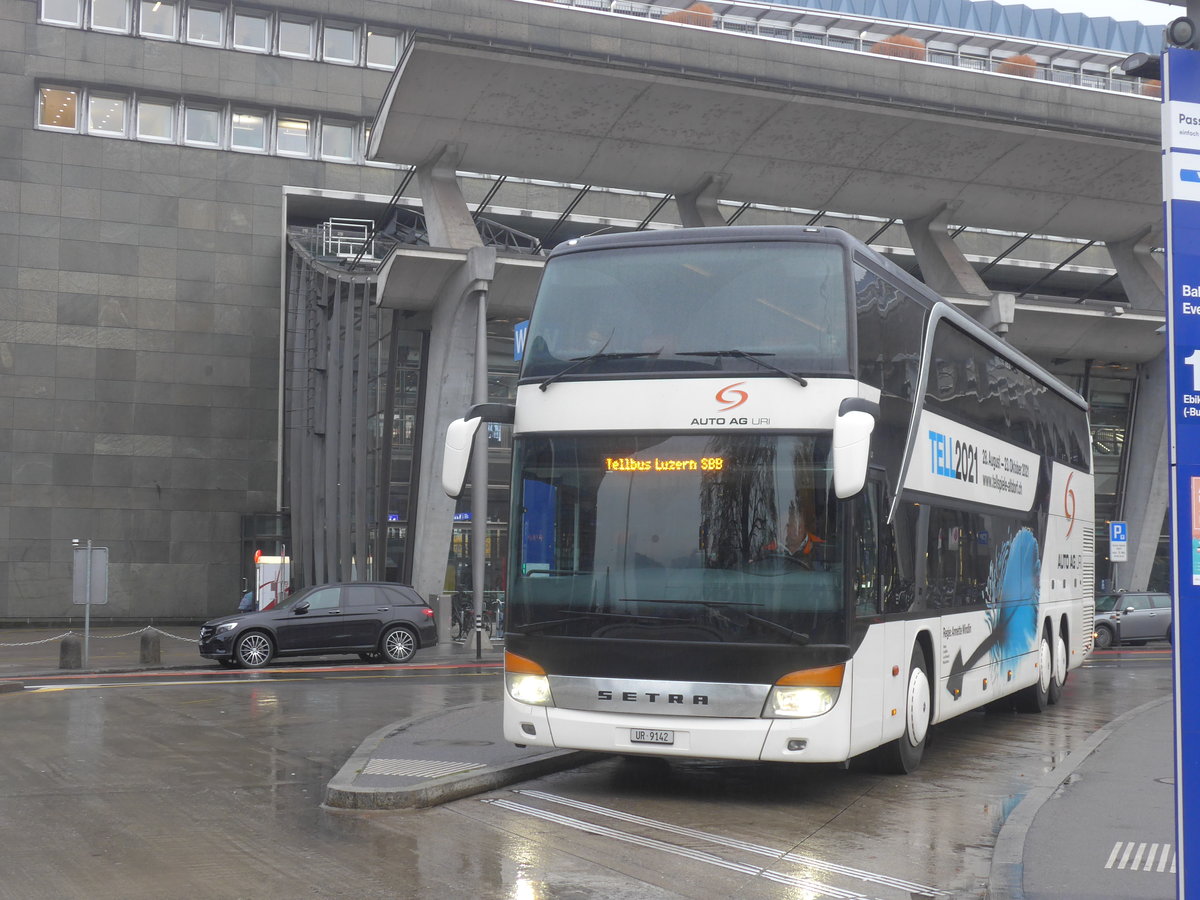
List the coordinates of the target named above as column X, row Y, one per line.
column 821, row 739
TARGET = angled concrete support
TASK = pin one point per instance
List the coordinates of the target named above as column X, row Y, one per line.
column 1142, row 274
column 448, row 392
column 698, row 207
column 943, row 266
column 999, row 316
column 1147, row 477
column 447, row 218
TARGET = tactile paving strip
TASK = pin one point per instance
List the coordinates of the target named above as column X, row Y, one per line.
column 418, row 768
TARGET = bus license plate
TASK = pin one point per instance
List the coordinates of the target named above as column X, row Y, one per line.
column 646, row 736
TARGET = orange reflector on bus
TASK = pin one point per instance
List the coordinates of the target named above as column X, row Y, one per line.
column 520, row 665
column 828, row 676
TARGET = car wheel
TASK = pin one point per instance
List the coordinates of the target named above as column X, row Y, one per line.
column 903, row 755
column 1104, row 637
column 399, row 644
column 1035, row 698
column 1059, row 675
column 253, row 650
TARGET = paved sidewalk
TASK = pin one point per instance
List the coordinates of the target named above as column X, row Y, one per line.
column 411, row 764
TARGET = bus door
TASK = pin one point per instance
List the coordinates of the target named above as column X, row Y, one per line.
column 864, row 570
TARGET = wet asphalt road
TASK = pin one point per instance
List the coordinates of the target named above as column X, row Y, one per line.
column 178, row 786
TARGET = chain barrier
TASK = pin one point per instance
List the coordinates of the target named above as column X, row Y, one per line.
column 103, row 637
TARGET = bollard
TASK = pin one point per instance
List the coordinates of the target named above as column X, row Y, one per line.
column 151, row 652
column 70, row 652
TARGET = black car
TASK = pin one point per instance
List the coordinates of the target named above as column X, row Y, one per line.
column 376, row 620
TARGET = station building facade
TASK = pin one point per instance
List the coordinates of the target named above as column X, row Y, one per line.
column 198, row 360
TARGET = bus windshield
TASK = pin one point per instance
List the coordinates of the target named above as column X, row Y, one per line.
column 692, row 309
column 699, row 537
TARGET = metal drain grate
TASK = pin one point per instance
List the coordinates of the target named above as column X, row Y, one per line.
column 418, row 768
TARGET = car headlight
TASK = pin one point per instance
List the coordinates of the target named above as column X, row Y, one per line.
column 526, row 681
column 804, row 694
column 226, row 626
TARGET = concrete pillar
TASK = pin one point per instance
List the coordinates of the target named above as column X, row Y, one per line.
column 1147, row 477
column 1142, row 274
column 448, row 388
column 943, row 266
column 698, row 207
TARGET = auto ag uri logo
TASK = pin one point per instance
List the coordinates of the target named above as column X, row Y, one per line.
column 732, row 395
column 1069, row 504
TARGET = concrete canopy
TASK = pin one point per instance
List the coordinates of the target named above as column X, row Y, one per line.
column 793, row 125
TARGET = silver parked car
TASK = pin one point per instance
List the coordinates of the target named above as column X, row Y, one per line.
column 1132, row 618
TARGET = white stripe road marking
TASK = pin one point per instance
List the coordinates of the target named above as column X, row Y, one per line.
column 818, row 889
column 1122, row 851
column 811, row 862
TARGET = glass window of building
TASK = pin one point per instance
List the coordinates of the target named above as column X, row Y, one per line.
column 110, row 15
column 205, row 25
column 106, row 114
column 63, row 12
column 155, row 120
column 383, row 50
column 339, row 43
column 157, row 18
column 202, row 126
column 293, row 137
column 58, row 108
column 252, row 31
column 337, row 141
column 296, row 38
column 248, row 131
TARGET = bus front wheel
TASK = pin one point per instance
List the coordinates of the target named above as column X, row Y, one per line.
column 903, row 755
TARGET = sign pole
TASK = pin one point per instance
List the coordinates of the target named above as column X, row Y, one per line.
column 1181, row 208
column 87, row 604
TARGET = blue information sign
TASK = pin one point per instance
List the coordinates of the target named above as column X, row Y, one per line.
column 1181, row 201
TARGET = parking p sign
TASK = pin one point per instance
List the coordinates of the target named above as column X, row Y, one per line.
column 1118, row 541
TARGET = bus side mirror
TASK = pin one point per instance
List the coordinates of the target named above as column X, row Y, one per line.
column 851, row 450
column 459, row 438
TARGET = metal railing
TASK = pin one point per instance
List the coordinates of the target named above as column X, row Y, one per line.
column 1105, row 80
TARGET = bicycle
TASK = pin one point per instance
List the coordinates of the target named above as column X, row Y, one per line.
column 462, row 616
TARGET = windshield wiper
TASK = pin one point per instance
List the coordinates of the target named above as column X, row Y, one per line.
column 579, row 361
column 796, row 637
column 753, row 357
column 535, row 627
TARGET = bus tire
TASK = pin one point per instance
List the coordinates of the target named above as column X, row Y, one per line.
column 1036, row 697
column 903, row 755
column 1058, row 677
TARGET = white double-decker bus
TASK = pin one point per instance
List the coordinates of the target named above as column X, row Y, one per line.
column 773, row 499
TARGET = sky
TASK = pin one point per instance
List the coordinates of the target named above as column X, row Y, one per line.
column 1145, row 11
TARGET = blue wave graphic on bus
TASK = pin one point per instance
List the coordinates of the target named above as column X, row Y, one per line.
column 1013, row 596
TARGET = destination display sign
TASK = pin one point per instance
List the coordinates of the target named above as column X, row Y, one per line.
column 660, row 464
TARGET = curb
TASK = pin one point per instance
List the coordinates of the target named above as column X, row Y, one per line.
column 342, row 794
column 1006, row 879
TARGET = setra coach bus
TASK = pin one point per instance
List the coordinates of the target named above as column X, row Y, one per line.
column 774, row 499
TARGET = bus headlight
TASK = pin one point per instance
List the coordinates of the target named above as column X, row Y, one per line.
column 807, row 693
column 526, row 681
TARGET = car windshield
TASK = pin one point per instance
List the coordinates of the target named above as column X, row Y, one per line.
column 1107, row 603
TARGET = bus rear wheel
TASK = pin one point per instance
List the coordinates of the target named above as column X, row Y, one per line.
column 1036, row 697
column 1059, row 676
column 903, row 755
